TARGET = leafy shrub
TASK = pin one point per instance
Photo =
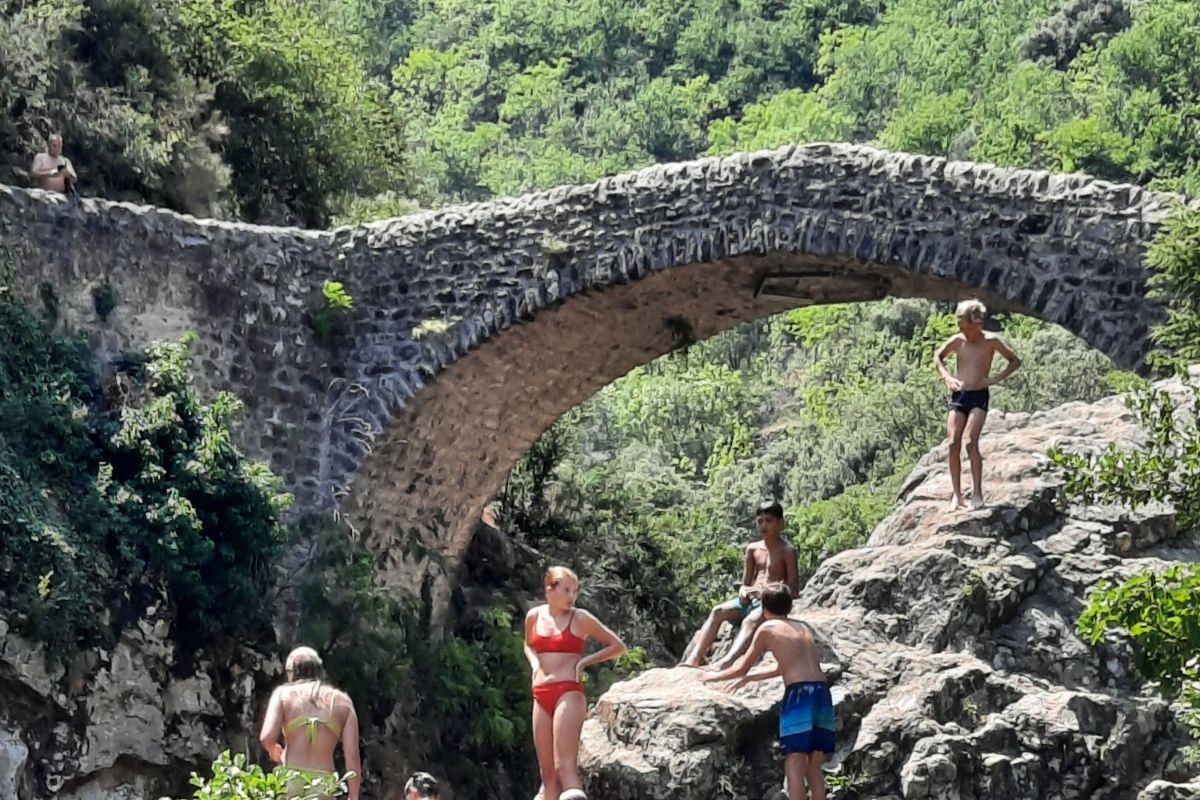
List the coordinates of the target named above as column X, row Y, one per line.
column 233, row 779
column 1174, row 259
column 336, row 303
column 1165, row 468
column 1160, row 613
column 118, row 496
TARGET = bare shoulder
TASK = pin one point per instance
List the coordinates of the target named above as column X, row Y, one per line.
column 755, row 546
column 998, row 342
column 586, row 616
column 532, row 613
column 955, row 341
column 805, row 628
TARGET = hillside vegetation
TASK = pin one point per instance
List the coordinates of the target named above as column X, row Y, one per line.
column 317, row 113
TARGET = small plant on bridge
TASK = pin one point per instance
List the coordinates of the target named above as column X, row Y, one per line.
column 434, row 327
column 104, row 300
column 336, row 303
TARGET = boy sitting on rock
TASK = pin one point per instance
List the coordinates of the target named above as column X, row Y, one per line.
column 806, row 722
column 771, row 558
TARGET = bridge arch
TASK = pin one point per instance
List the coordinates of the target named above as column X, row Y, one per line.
column 562, row 292
column 476, row 326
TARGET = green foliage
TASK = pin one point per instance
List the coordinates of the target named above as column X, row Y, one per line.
column 464, row 697
column 233, row 779
column 824, row 527
column 304, row 123
column 97, row 73
column 352, row 209
column 118, row 500
column 262, row 109
column 509, row 96
column 1164, row 468
column 1160, row 613
column 1174, row 258
column 336, row 303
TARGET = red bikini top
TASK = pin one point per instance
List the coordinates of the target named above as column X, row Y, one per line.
column 564, row 642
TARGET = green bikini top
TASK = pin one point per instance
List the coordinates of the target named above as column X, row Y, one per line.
column 310, row 727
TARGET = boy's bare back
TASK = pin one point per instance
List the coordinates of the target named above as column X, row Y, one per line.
column 974, row 358
column 795, row 649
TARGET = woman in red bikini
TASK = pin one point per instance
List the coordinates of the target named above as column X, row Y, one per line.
column 555, row 634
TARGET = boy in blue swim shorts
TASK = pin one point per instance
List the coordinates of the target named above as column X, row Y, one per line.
column 806, row 721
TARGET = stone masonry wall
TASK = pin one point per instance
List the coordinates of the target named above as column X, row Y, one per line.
column 410, row 419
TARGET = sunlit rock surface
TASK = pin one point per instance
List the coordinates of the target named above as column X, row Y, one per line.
column 950, row 639
column 125, row 723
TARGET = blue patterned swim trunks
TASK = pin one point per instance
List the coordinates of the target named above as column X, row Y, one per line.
column 806, row 723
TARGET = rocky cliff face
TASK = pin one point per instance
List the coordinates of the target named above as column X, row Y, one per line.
column 951, row 642
column 122, row 724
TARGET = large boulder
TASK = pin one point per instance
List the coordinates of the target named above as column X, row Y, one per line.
column 950, row 639
column 130, row 721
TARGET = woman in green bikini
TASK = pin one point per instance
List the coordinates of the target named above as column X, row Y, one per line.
column 312, row 718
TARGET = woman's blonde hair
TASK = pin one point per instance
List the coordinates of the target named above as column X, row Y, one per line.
column 554, row 576
column 971, row 310
column 304, row 664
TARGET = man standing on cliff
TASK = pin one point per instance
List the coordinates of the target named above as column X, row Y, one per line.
column 52, row 170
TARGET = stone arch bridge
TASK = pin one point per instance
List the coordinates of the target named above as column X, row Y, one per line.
column 474, row 327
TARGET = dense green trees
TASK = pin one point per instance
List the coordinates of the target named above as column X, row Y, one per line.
column 277, row 109
column 124, row 495
column 261, row 110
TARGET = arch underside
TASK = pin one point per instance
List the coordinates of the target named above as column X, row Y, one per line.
column 446, row 454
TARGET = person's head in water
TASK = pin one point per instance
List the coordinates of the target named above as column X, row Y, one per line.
column 562, row 588
column 776, row 599
column 421, row 786
column 769, row 518
column 303, row 664
column 971, row 314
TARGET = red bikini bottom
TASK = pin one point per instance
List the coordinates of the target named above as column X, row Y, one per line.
column 547, row 695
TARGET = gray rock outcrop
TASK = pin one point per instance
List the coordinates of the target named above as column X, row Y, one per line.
column 950, row 638
column 126, row 723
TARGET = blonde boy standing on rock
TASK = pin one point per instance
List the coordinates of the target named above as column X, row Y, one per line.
column 973, row 349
